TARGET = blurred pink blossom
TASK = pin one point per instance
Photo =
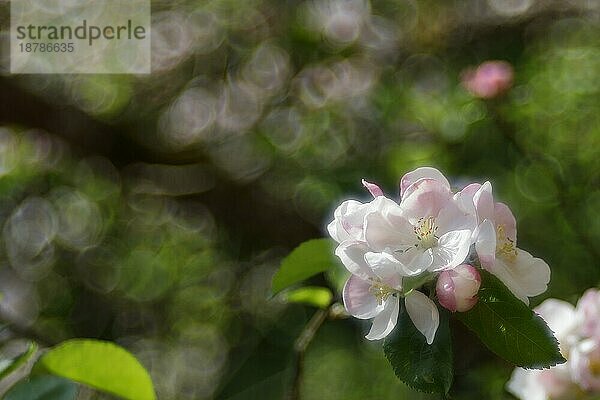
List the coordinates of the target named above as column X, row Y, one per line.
column 490, row 79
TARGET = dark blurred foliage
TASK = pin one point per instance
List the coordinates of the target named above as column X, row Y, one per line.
column 153, row 210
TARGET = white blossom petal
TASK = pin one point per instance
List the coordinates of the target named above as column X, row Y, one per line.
column 424, row 314
column 352, row 255
column 485, row 243
column 560, row 316
column 386, row 321
column 348, row 221
column 484, row 202
column 387, row 266
column 453, row 217
column 526, row 276
column 452, row 249
column 358, row 300
column 421, row 260
column 526, row 385
column 421, row 173
column 425, row 199
column 505, row 218
column 389, row 232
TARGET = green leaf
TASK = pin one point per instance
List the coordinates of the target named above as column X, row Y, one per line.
column 101, row 365
column 424, row 367
column 306, row 260
column 319, row 297
column 43, row 387
column 11, row 365
column 337, row 276
column 509, row 328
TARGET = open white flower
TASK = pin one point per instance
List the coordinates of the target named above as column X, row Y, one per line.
column 426, row 231
column 349, row 216
column 374, row 291
column 496, row 245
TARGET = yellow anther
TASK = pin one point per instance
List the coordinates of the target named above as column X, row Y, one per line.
column 506, row 247
column 425, row 231
column 381, row 291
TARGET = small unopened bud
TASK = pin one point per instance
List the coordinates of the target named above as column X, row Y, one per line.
column 457, row 288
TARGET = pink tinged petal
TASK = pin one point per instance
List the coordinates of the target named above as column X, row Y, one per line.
column 348, row 221
column 452, row 217
column 425, row 199
column 484, row 202
column 421, row 173
column 386, row 321
column 504, row 217
column 560, row 316
column 388, row 233
column 457, row 288
column 372, row 188
column 467, row 281
column 352, row 255
column 582, row 359
column 445, row 291
column 556, row 381
column 358, row 300
column 469, row 191
column 526, row 276
column 588, row 312
column 424, row 314
column 451, row 250
column 485, row 243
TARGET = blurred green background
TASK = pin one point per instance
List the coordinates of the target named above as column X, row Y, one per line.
column 153, row 210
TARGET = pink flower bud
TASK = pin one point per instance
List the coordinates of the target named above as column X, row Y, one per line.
column 457, row 288
column 489, row 79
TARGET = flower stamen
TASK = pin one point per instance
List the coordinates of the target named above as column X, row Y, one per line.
column 425, row 231
column 506, row 246
column 381, row 291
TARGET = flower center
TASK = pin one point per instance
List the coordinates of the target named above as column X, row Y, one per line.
column 506, row 247
column 425, row 231
column 381, row 291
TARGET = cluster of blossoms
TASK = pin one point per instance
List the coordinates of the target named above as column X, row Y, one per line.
column 432, row 233
column 578, row 332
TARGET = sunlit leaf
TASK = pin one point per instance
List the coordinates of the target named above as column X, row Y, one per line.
column 424, row 367
column 10, row 365
column 304, row 261
column 319, row 297
column 43, row 387
column 509, row 328
column 101, row 365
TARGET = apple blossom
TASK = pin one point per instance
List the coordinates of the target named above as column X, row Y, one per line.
column 457, row 288
column 489, row 79
column 430, row 232
column 374, row 291
column 496, row 244
column 426, row 231
column 575, row 329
